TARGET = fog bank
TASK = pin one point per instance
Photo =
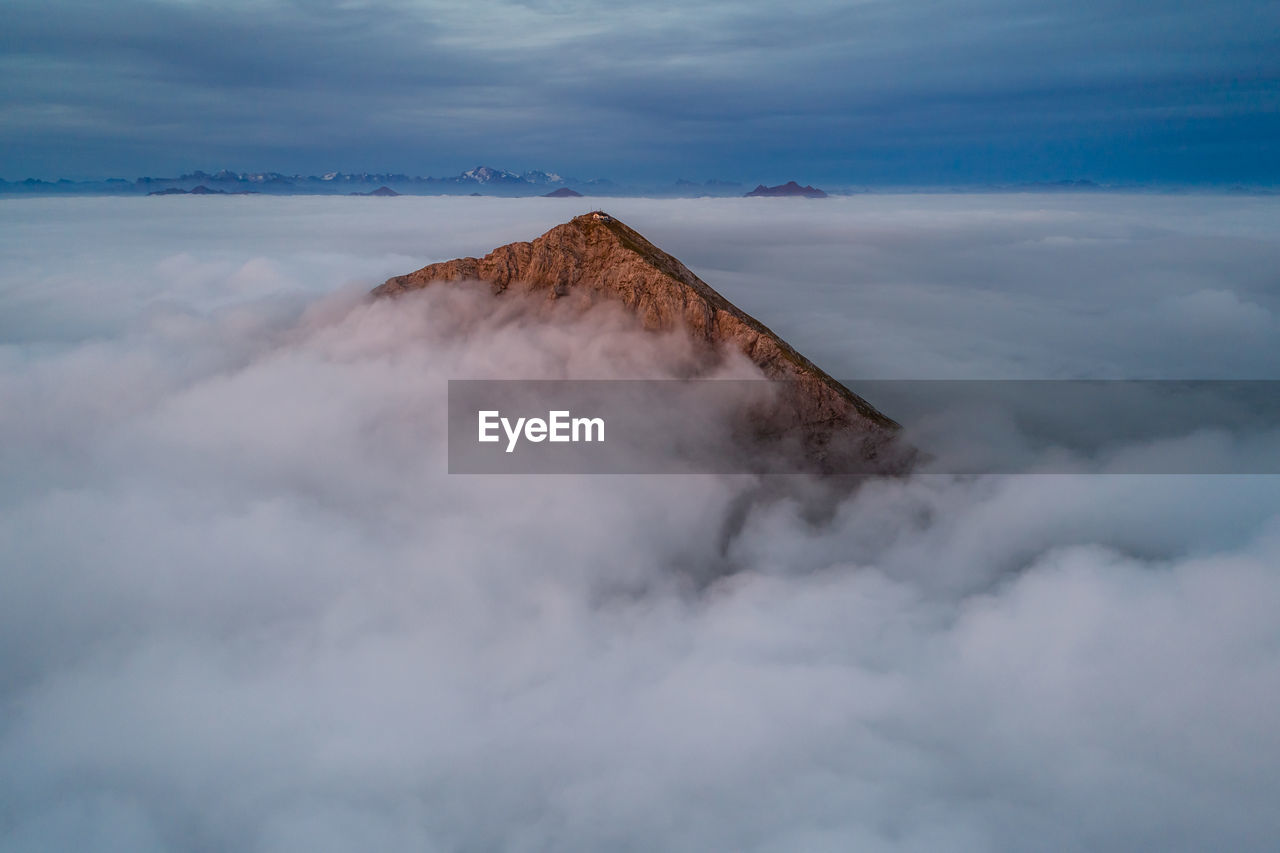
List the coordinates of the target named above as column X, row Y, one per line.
column 242, row 605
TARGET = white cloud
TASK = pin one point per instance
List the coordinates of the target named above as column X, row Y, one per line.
column 242, row 606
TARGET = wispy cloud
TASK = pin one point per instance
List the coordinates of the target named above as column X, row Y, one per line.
column 242, row 603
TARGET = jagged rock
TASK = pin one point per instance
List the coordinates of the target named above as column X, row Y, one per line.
column 595, row 257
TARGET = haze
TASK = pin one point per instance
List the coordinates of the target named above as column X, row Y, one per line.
column 243, row 607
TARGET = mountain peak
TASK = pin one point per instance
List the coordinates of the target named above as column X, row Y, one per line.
column 790, row 188
column 488, row 174
column 596, row 257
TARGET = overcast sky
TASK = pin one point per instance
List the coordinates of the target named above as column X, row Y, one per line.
column 909, row 91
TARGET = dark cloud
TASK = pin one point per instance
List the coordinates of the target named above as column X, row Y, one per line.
column 845, row 92
column 243, row 607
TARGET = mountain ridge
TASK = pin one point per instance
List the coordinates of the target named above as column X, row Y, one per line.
column 596, row 257
column 505, row 183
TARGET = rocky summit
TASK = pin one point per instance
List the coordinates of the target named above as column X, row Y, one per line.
column 596, row 257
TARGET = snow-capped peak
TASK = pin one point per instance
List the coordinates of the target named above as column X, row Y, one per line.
column 540, row 177
column 486, row 174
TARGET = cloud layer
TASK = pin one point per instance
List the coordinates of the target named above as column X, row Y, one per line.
column 242, row 606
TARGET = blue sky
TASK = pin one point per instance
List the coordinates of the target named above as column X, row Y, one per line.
column 874, row 92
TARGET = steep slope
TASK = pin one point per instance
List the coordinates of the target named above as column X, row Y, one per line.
column 595, row 256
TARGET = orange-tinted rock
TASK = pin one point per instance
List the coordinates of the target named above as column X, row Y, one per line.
column 595, row 256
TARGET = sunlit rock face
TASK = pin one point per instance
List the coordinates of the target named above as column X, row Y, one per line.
column 595, row 257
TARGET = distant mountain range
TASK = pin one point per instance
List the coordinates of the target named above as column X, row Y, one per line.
column 482, row 180
column 487, row 180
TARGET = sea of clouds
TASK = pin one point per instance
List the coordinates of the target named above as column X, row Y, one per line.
column 242, row 605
